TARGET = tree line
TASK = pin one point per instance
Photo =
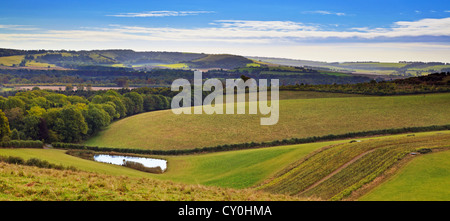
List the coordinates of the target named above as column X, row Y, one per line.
column 51, row 116
column 433, row 83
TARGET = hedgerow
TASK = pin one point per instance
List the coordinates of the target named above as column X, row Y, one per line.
column 22, row 144
column 249, row 145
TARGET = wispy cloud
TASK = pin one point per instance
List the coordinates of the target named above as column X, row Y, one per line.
column 263, row 38
column 243, row 31
column 322, row 12
column 161, row 13
column 18, row 27
column 263, row 25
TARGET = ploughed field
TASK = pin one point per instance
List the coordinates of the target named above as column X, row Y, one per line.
column 298, row 118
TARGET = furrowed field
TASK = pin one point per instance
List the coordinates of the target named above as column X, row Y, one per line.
column 336, row 172
column 299, row 118
column 267, row 169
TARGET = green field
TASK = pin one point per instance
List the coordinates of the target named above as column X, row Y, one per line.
column 11, row 60
column 298, row 118
column 39, row 64
column 243, row 170
column 426, row 178
column 431, row 68
column 175, row 66
column 27, row 183
column 237, row 169
column 334, row 173
column 374, row 64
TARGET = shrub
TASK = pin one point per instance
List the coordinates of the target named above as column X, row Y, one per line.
column 424, row 150
column 34, row 162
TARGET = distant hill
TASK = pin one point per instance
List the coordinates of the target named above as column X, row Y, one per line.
column 116, row 58
column 225, row 61
column 431, row 79
column 401, row 68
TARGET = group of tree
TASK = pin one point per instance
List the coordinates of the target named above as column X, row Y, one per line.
column 56, row 117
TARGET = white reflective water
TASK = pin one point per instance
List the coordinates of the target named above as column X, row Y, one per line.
column 119, row 160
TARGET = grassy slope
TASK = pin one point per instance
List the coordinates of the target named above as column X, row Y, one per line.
column 236, row 169
column 375, row 65
column 25, row 183
column 11, row 60
column 425, row 178
column 175, row 66
column 379, row 155
column 298, row 118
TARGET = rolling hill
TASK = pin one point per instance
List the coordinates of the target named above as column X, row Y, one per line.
column 117, row 58
column 382, row 69
column 210, row 176
column 299, row 118
column 333, row 173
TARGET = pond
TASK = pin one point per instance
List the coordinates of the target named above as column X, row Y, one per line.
column 119, row 160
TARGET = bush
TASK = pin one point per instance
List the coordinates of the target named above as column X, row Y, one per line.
column 34, row 162
column 14, row 160
column 38, row 163
column 424, row 150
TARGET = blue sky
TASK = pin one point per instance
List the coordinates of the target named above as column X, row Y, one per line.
column 322, row 30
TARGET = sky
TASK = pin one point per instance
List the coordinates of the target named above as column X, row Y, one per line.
column 320, row 30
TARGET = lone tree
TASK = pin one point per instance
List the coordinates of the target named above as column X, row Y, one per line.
column 245, row 78
column 4, row 126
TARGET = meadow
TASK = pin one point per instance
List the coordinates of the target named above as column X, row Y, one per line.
column 299, row 118
column 11, row 60
column 335, row 172
column 423, row 179
column 27, row 183
column 231, row 169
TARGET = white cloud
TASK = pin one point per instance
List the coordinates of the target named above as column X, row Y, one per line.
column 243, row 37
column 161, row 13
column 241, row 31
column 322, row 12
column 263, row 25
column 18, row 27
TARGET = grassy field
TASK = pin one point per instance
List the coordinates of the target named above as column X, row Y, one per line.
column 11, row 60
column 298, row 118
column 426, row 178
column 334, row 173
column 39, row 64
column 236, row 169
column 431, row 68
column 175, row 66
column 27, row 183
column 374, row 64
column 287, row 95
column 204, row 177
